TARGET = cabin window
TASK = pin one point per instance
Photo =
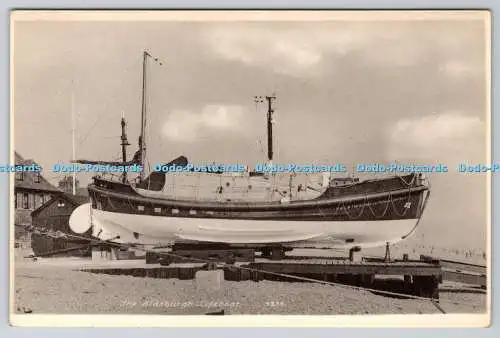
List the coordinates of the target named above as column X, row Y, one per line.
column 140, row 207
column 36, row 177
column 209, row 212
column 19, row 175
column 192, row 212
column 175, row 211
column 157, row 210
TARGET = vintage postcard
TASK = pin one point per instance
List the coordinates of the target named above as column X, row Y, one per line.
column 277, row 168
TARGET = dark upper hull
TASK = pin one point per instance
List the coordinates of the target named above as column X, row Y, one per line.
column 379, row 199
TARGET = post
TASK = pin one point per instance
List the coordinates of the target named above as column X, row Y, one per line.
column 353, row 257
column 387, row 257
column 270, row 112
column 124, row 145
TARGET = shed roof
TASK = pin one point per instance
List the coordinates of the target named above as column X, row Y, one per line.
column 76, row 200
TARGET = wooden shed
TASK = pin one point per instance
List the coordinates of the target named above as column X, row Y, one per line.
column 53, row 217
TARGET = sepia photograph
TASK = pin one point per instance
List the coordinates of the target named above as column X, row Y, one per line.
column 278, row 168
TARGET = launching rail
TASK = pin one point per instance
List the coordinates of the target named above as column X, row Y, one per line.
column 415, row 277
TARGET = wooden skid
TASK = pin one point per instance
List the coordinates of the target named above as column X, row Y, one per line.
column 465, row 273
column 326, row 266
column 465, row 277
column 416, row 277
column 193, row 256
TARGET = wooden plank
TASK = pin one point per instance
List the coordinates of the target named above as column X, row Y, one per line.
column 464, row 277
column 238, row 255
column 354, row 269
column 454, row 265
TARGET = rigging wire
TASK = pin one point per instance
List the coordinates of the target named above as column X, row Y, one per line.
column 88, row 133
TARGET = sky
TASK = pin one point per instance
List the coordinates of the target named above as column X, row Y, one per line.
column 348, row 91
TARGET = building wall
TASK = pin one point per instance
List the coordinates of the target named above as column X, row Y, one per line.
column 55, row 217
column 31, row 190
column 26, row 201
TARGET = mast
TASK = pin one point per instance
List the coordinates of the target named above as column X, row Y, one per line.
column 270, row 112
column 142, row 137
column 124, row 145
column 142, row 141
column 73, row 133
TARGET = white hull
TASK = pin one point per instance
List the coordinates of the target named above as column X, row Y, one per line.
column 160, row 230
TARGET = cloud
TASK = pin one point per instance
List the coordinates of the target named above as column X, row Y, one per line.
column 301, row 49
column 447, row 137
column 284, row 51
column 298, row 50
column 186, row 125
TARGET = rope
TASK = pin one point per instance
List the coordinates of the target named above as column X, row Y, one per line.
column 130, row 204
column 384, row 212
column 361, row 212
column 91, row 217
column 111, row 204
column 338, row 208
column 420, row 215
column 406, row 183
column 404, row 207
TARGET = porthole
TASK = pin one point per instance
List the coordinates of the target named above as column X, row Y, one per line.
column 157, row 210
column 175, row 211
column 140, row 207
column 192, row 212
